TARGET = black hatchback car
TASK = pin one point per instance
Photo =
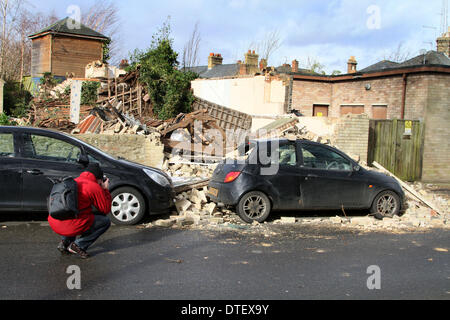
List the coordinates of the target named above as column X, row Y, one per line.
column 30, row 157
column 300, row 175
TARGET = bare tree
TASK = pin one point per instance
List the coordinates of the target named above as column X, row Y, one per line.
column 9, row 10
column 103, row 17
column 314, row 66
column 271, row 43
column 4, row 10
column 15, row 50
column 400, row 54
column 265, row 47
column 191, row 48
column 25, row 24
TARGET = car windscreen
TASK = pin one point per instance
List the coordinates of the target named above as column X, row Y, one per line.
column 319, row 157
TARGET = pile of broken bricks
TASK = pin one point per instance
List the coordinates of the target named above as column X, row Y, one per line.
column 176, row 166
column 418, row 215
column 193, row 208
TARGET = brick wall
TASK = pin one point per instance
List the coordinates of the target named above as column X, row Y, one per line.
column 307, row 93
column 349, row 134
column 383, row 91
column 427, row 99
column 416, row 96
column 436, row 157
column 352, row 135
column 134, row 148
column 387, row 91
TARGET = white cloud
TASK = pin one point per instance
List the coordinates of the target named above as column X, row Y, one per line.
column 330, row 30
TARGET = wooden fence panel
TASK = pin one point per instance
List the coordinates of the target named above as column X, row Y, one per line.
column 398, row 146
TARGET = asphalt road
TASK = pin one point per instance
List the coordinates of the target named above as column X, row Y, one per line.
column 297, row 263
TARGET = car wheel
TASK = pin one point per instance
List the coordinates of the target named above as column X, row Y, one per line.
column 386, row 204
column 254, row 206
column 128, row 206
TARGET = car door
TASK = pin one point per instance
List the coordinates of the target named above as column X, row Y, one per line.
column 46, row 158
column 329, row 180
column 284, row 176
column 10, row 173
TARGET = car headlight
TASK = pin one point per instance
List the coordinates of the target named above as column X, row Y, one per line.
column 158, row 178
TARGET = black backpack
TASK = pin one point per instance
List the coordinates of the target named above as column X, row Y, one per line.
column 62, row 203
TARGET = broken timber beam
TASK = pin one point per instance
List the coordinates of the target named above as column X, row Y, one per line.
column 407, row 187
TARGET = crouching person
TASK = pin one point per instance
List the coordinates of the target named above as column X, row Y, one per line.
column 92, row 191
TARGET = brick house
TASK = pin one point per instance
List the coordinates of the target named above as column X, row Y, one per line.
column 385, row 90
column 417, row 89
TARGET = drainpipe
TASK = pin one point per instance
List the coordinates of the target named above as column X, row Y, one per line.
column 405, row 82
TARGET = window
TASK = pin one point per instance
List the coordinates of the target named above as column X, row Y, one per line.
column 320, row 110
column 379, row 112
column 318, row 157
column 46, row 148
column 352, row 109
column 6, row 145
column 286, row 155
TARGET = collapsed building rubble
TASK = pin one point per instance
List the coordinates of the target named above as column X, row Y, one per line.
column 194, row 210
column 123, row 108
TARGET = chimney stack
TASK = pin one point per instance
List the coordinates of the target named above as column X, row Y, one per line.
column 443, row 43
column 251, row 63
column 242, row 68
column 251, row 58
column 294, row 66
column 351, row 63
column 214, row 60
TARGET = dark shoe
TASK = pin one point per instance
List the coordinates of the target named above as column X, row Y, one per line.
column 73, row 248
column 62, row 247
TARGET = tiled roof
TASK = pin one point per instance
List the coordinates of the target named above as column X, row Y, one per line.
column 198, row 70
column 218, row 71
column 63, row 26
column 429, row 58
column 288, row 69
column 382, row 65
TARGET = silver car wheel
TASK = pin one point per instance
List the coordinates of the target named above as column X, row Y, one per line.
column 125, row 207
column 387, row 205
column 254, row 207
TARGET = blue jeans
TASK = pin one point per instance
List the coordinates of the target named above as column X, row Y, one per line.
column 100, row 226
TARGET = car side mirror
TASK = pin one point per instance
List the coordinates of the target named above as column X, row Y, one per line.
column 83, row 159
column 356, row 168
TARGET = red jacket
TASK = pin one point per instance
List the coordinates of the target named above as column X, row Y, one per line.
column 90, row 193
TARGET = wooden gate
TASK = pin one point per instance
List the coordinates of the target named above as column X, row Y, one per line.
column 398, row 146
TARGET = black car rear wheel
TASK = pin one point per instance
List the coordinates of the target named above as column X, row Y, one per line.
column 128, row 206
column 386, row 204
column 254, row 206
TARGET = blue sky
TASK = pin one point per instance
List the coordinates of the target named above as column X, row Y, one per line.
column 329, row 31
